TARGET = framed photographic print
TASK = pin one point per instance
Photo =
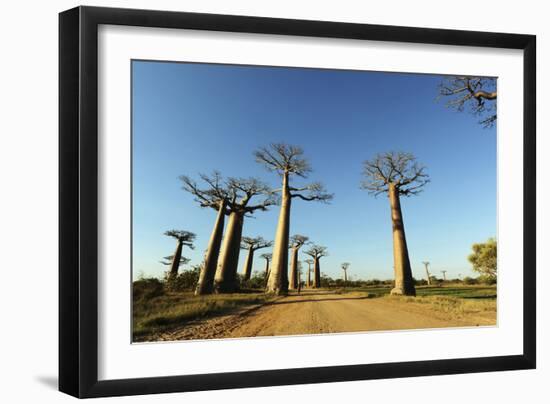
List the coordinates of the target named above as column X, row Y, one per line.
column 250, row 201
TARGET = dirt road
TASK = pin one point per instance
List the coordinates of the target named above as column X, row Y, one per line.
column 316, row 312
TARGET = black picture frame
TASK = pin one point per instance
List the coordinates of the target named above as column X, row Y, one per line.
column 78, row 201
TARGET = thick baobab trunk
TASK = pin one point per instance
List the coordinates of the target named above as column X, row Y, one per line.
column 345, row 277
column 316, row 273
column 225, row 280
column 267, row 279
column 248, row 264
column 266, row 269
column 208, row 270
column 293, row 280
column 309, row 277
column 404, row 284
column 278, row 277
column 176, row 261
column 428, row 276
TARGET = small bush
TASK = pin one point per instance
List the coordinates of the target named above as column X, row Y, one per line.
column 256, row 281
column 487, row 280
column 147, row 288
column 184, row 281
column 469, row 281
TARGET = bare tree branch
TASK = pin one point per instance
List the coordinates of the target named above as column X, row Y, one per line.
column 297, row 241
column 283, row 158
column 267, row 256
column 212, row 194
column 398, row 168
column 185, row 237
column 316, row 192
column 316, row 251
column 254, row 243
column 168, row 260
column 244, row 189
column 475, row 93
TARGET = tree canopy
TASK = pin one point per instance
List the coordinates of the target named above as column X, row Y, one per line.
column 477, row 94
column 399, row 169
column 317, row 251
column 254, row 243
column 267, row 256
column 484, row 258
column 183, row 236
column 297, row 241
column 211, row 194
column 283, row 158
column 235, row 192
column 168, row 260
column 242, row 190
column 287, row 159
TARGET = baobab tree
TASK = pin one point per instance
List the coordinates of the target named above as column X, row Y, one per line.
column 345, row 266
column 287, row 161
column 478, row 94
column 426, row 264
column 251, row 245
column 241, row 191
column 444, row 275
column 296, row 242
column 267, row 258
column 396, row 174
column 309, row 262
column 183, row 238
column 316, row 252
column 214, row 195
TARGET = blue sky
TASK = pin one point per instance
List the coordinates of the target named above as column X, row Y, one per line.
column 193, row 118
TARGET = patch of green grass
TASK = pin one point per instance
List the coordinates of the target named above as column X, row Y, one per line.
column 170, row 310
column 462, row 292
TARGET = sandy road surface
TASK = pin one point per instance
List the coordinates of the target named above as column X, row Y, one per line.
column 315, row 312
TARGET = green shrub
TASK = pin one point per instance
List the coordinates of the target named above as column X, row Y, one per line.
column 256, row 281
column 487, row 280
column 147, row 288
column 469, row 281
column 184, row 281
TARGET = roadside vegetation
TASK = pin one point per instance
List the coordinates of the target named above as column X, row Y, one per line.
column 165, row 304
column 160, row 305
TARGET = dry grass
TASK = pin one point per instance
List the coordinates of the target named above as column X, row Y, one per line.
column 480, row 310
column 167, row 311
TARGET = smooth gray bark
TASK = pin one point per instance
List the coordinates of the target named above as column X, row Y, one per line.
column 176, row 260
column 278, row 277
column 293, row 280
column 266, row 269
column 427, row 273
column 208, row 270
column 316, row 273
column 225, row 280
column 248, row 264
column 404, row 284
